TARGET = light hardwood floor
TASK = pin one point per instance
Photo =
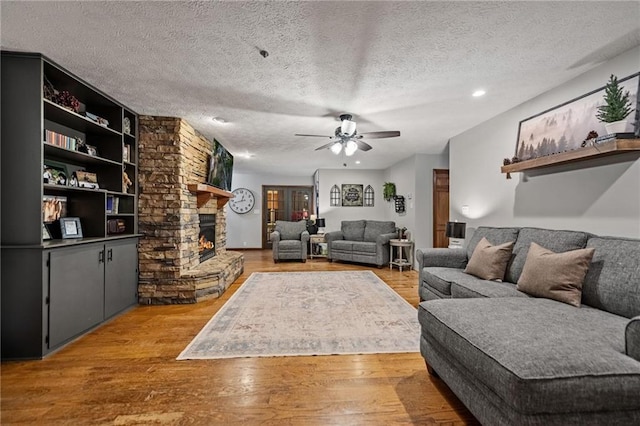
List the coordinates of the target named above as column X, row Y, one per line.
column 125, row 373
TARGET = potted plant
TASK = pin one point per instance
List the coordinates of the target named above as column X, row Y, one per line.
column 616, row 108
column 389, row 190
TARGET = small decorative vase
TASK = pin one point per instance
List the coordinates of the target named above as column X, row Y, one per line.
column 616, row 127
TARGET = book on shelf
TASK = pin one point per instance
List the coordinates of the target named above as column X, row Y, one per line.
column 60, row 140
column 110, row 203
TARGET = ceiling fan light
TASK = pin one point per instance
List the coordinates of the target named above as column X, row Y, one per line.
column 348, row 127
column 336, row 148
column 350, row 148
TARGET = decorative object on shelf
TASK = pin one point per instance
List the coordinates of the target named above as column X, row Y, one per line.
column 116, row 226
column 506, row 162
column 243, row 200
column 126, row 153
column 399, row 202
column 369, row 196
column 70, row 227
column 73, row 180
column 455, row 231
column 616, row 108
column 87, row 180
column 101, row 121
column 388, row 190
column 48, row 91
column 45, row 233
column 54, row 173
column 126, row 182
column 126, row 125
column 562, row 128
column 67, row 100
column 53, row 208
column 352, row 195
column 334, row 196
column 91, row 150
column 590, row 139
column 402, row 233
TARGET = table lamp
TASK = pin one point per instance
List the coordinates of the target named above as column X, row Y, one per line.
column 320, row 224
column 455, row 232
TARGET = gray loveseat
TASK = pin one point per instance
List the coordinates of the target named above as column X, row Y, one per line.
column 364, row 241
column 519, row 360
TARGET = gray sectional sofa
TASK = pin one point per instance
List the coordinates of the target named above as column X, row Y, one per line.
column 363, row 241
column 513, row 359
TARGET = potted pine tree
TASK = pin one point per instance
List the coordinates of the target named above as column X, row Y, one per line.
column 616, row 108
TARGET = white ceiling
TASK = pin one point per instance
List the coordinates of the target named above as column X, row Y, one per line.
column 408, row 66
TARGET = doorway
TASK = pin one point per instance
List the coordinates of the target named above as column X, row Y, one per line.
column 291, row 203
column 440, row 207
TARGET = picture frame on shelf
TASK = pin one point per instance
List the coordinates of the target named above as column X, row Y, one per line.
column 126, row 153
column 352, row 195
column 53, row 208
column 45, row 233
column 54, row 173
column 565, row 127
column 70, row 227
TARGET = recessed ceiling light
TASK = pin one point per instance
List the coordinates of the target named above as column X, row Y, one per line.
column 218, row 120
column 245, row 155
column 357, row 161
column 478, row 93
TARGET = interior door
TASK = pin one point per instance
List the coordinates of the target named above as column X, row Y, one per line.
column 291, row 203
column 440, row 207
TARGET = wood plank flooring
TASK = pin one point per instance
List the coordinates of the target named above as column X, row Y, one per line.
column 125, row 373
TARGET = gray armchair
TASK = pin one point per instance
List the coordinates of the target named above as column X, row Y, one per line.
column 289, row 240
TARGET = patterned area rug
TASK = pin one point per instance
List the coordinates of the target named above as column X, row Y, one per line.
column 309, row 313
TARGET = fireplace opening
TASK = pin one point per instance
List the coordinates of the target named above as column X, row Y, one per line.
column 207, row 236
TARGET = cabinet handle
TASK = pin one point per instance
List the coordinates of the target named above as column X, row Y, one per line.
column 101, row 256
column 110, row 255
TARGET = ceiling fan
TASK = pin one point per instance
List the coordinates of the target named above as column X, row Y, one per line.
column 347, row 137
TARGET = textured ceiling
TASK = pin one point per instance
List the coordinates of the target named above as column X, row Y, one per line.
column 408, row 66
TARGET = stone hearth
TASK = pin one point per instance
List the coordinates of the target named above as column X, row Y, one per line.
column 174, row 155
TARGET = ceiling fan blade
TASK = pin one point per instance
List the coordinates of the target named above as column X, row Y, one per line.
column 314, row 136
column 380, row 135
column 325, row 146
column 362, row 145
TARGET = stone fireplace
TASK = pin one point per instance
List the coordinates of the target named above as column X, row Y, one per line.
column 207, row 236
column 174, row 205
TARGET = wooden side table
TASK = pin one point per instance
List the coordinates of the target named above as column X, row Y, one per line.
column 397, row 247
column 315, row 240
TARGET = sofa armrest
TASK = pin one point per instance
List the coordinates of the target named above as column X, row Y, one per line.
column 304, row 237
column 383, row 239
column 443, row 257
column 332, row 236
column 275, row 236
column 632, row 338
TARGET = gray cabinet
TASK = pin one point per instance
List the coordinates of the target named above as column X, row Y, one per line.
column 55, row 146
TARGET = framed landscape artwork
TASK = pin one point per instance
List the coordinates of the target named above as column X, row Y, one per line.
column 351, row 195
column 565, row 127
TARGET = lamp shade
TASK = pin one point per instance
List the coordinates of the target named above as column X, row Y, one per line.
column 336, row 148
column 350, row 148
column 348, row 127
column 320, row 222
column 456, row 229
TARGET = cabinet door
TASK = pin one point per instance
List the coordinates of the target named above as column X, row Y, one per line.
column 76, row 289
column 121, row 276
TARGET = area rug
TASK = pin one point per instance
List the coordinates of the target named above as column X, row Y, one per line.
column 309, row 313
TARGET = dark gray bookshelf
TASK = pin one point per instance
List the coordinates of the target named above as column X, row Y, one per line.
column 53, row 289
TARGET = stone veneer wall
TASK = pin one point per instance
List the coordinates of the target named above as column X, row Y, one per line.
column 173, row 154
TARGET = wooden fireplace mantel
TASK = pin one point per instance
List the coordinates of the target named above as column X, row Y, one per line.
column 205, row 192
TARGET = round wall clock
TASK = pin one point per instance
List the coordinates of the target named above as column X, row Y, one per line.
column 243, row 200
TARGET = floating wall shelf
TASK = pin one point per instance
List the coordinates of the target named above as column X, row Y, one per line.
column 205, row 192
column 616, row 146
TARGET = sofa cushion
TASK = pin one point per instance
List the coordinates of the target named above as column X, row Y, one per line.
column 472, row 287
column 290, row 230
column 495, row 236
column 373, row 228
column 556, row 241
column 489, row 262
column 290, row 245
column 353, row 229
column 613, row 280
column 516, row 348
column 364, row 247
column 342, row 245
column 632, row 338
column 557, row 276
column 441, row 278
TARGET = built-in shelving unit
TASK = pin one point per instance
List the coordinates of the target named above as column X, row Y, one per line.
column 613, row 147
column 55, row 288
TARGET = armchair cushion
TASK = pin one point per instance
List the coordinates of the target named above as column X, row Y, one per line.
column 291, row 230
column 375, row 228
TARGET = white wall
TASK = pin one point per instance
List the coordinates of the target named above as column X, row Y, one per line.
column 245, row 230
column 599, row 196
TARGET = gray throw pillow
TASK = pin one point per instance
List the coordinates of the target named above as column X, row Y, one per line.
column 290, row 230
column 557, row 276
column 489, row 262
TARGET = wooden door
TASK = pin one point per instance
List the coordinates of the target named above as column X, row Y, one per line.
column 291, row 203
column 440, row 207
